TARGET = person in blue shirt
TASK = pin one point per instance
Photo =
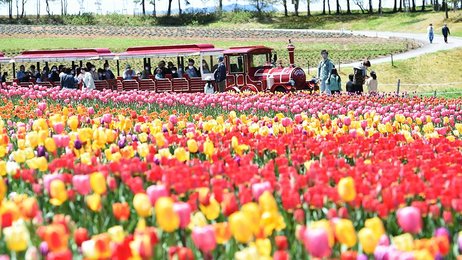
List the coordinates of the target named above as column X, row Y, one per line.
column 446, row 32
column 22, row 75
column 324, row 70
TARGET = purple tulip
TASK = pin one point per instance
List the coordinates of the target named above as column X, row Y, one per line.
column 40, row 151
column 361, row 257
column 44, row 248
column 77, row 144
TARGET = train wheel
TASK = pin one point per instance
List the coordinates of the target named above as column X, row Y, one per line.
column 250, row 88
column 280, row 89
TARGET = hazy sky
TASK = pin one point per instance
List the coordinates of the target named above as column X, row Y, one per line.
column 128, row 6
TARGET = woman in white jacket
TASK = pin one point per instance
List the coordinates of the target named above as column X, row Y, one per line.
column 88, row 82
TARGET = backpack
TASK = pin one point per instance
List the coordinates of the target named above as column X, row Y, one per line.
column 358, row 77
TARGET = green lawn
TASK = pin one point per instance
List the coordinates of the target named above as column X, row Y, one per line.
column 442, row 69
column 404, row 22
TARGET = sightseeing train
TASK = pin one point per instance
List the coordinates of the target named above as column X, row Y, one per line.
column 249, row 68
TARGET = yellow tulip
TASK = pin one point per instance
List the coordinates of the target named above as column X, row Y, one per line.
column 85, row 158
column 50, row 145
column 345, row 232
column 212, row 210
column 2, row 151
column 181, row 154
column 167, row 218
column 32, row 139
column 117, row 234
column 267, row 202
column 58, row 192
column 263, row 247
column 16, row 237
column 73, row 122
column 19, row 156
column 241, row 227
column 234, row 142
column 42, row 164
column 142, row 205
column 375, row 224
column 3, row 189
column 367, row 240
column 346, row 189
column 208, row 148
column 143, row 137
column 192, row 146
column 94, row 202
column 143, row 150
column 270, row 221
column 404, row 242
column 98, row 183
column 252, row 212
column 2, row 168
column 197, row 220
column 160, row 139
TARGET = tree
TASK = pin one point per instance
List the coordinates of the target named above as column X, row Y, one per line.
column 380, row 7
column 47, row 2
column 153, row 2
column 296, row 5
column 328, row 6
column 348, row 6
column 260, row 5
column 10, row 7
column 284, row 3
column 360, row 4
column 220, row 6
column 371, row 10
column 38, row 9
column 338, row 7
column 400, row 6
column 445, row 4
column 179, row 7
column 308, row 11
column 413, row 6
column 143, row 7
column 395, row 6
column 423, row 6
column 169, row 10
column 323, row 6
column 23, row 10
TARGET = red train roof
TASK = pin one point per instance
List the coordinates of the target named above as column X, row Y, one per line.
column 167, row 51
column 3, row 58
column 248, row 50
column 65, row 55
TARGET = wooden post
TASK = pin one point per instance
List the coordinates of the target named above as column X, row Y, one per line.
column 118, row 68
column 434, row 94
column 392, row 63
column 397, row 88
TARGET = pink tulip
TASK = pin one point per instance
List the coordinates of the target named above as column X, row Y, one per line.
column 259, row 188
column 42, row 106
column 155, row 192
column 204, row 238
column 107, row 118
column 184, row 211
column 91, row 110
column 409, row 219
column 316, row 242
column 58, row 128
column 81, row 184
column 173, row 119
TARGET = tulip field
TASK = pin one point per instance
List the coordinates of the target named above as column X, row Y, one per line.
column 140, row 175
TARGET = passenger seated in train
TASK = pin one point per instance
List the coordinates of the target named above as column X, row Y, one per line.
column 162, row 66
column 54, row 74
column 21, row 75
column 33, row 73
column 129, row 73
column 192, row 71
column 146, row 72
column 173, row 69
column 4, row 76
column 205, row 67
column 44, row 75
column 67, row 80
column 159, row 74
column 109, row 73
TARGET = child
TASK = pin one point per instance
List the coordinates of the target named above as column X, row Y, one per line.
column 372, row 83
column 208, row 88
column 334, row 82
column 350, row 87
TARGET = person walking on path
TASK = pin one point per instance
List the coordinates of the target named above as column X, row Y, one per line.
column 445, row 32
column 324, row 70
column 430, row 33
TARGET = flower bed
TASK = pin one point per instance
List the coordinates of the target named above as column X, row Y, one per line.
column 192, row 176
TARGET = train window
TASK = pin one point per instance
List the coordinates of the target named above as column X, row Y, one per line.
column 236, row 64
column 259, row 60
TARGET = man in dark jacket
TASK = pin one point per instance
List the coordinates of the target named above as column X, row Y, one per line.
column 445, row 32
column 67, row 80
column 220, row 75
